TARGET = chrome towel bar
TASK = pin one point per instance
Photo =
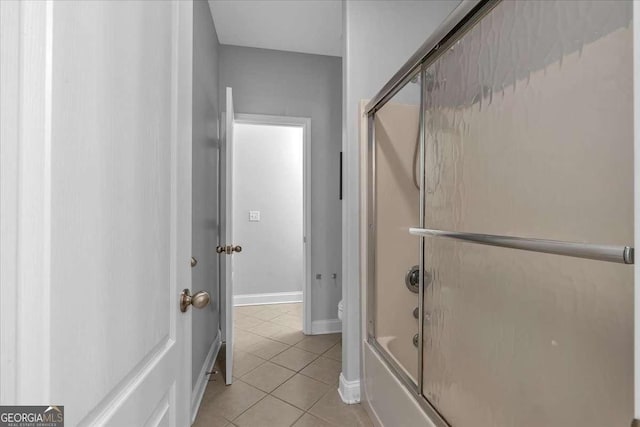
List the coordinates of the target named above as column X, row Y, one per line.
column 610, row 253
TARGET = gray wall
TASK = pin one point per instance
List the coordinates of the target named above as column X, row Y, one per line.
column 379, row 36
column 205, row 182
column 296, row 84
column 267, row 171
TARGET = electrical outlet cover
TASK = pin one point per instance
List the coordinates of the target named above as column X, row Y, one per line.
column 254, row 215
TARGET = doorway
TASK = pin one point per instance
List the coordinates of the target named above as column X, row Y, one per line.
column 281, row 375
column 271, row 215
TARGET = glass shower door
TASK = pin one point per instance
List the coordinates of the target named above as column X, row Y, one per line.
column 394, row 299
column 529, row 133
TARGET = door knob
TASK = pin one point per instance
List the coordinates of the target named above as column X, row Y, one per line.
column 198, row 300
column 194, row 262
column 228, row 249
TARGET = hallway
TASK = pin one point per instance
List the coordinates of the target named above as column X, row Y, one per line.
column 281, row 376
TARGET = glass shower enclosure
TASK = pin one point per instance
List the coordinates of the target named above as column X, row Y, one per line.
column 500, row 178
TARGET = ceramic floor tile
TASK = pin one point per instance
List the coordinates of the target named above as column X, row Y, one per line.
column 244, row 334
column 297, row 309
column 266, row 348
column 333, row 410
column 249, row 310
column 318, row 343
column 266, row 329
column 291, row 307
column 264, row 332
column 292, row 321
column 250, row 342
column 269, row 412
column 288, row 335
column 247, row 322
column 267, row 314
column 207, row 418
column 281, row 308
column 323, row 369
column 294, row 358
column 215, row 385
column 232, row 401
column 267, row 376
column 300, row 391
column 279, row 333
column 308, row 420
column 244, row 339
column 239, row 314
column 295, row 312
column 244, row 362
column 334, row 352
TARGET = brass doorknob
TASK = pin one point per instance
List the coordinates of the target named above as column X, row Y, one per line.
column 228, row 249
column 198, row 300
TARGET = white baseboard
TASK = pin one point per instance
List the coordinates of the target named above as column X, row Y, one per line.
column 201, row 383
column 273, row 298
column 329, row 326
column 349, row 390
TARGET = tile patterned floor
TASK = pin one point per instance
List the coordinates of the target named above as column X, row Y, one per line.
column 281, row 376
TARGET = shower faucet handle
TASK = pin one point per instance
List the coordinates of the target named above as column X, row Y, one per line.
column 412, row 279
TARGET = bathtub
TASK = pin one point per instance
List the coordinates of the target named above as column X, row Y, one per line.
column 405, row 356
column 387, row 401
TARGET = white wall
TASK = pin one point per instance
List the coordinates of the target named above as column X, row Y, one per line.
column 301, row 85
column 267, row 174
column 379, row 36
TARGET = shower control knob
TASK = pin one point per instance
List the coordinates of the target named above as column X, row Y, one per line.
column 412, row 279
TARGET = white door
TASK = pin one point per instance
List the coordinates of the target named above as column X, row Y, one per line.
column 96, row 209
column 227, row 247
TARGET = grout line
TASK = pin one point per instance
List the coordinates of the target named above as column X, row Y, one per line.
column 258, row 401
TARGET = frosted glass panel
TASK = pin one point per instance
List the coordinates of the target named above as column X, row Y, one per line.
column 529, row 133
column 529, row 124
column 397, row 198
column 516, row 338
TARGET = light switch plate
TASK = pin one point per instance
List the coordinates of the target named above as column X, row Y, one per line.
column 254, row 216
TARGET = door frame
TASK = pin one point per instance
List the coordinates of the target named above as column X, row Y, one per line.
column 305, row 124
column 636, row 202
column 25, row 132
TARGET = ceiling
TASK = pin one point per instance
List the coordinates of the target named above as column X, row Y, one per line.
column 307, row 26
